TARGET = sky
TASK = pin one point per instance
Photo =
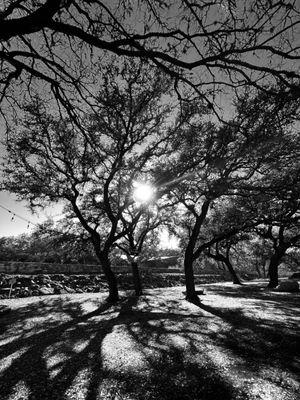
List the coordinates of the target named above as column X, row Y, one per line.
column 20, row 219
column 168, row 241
column 16, row 222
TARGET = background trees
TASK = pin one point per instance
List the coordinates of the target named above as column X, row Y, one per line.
column 49, row 243
column 282, row 221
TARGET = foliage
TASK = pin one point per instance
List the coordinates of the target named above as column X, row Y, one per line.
column 48, row 243
column 92, row 168
column 229, row 167
column 57, row 46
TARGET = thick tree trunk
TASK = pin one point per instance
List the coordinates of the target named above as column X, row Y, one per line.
column 191, row 294
column 110, row 277
column 136, row 278
column 273, row 271
column 235, row 278
column 274, row 264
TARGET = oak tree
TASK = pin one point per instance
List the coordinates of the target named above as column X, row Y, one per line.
column 92, row 167
column 58, row 46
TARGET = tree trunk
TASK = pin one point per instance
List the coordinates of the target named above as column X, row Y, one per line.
column 274, row 264
column 257, row 269
column 191, row 294
column 264, row 271
column 265, row 268
column 235, row 278
column 110, row 277
column 273, row 271
column 136, row 278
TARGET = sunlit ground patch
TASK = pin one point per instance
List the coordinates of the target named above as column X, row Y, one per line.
column 20, row 391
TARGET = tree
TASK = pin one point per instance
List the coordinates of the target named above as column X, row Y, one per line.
column 222, row 254
column 224, row 163
column 258, row 250
column 282, row 221
column 15, row 248
column 210, row 45
column 49, row 242
column 226, row 230
column 61, row 242
column 137, row 232
column 275, row 195
column 92, row 168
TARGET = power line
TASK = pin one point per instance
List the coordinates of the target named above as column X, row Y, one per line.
column 17, row 215
column 25, row 219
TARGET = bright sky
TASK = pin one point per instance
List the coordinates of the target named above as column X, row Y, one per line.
column 10, row 222
column 168, row 241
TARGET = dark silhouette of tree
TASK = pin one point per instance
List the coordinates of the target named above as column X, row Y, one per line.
column 138, row 230
column 282, row 221
column 211, row 46
column 221, row 253
column 227, row 162
column 92, row 168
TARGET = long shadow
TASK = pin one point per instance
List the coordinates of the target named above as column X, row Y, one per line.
column 171, row 374
column 174, row 378
column 50, row 357
column 30, row 367
column 265, row 341
column 257, row 292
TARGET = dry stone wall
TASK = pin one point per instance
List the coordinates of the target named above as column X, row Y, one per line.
column 45, row 268
column 31, row 268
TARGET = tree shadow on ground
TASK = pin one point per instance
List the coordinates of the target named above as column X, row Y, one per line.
column 59, row 359
column 57, row 349
column 258, row 292
column 255, row 335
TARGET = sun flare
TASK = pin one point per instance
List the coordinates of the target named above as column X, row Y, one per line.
column 143, row 192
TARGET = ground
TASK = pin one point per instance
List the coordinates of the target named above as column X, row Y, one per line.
column 241, row 343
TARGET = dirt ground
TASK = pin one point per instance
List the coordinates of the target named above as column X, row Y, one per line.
column 241, row 343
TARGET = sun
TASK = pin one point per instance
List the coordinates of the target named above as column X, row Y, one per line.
column 143, row 192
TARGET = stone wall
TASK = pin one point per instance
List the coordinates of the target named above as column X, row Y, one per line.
column 23, row 268
column 14, row 267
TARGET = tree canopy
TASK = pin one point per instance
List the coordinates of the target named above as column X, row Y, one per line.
column 213, row 46
column 92, row 168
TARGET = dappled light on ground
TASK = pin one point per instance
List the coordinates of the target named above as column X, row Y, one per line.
column 241, row 343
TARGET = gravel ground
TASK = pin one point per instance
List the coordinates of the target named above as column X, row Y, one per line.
column 241, row 343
